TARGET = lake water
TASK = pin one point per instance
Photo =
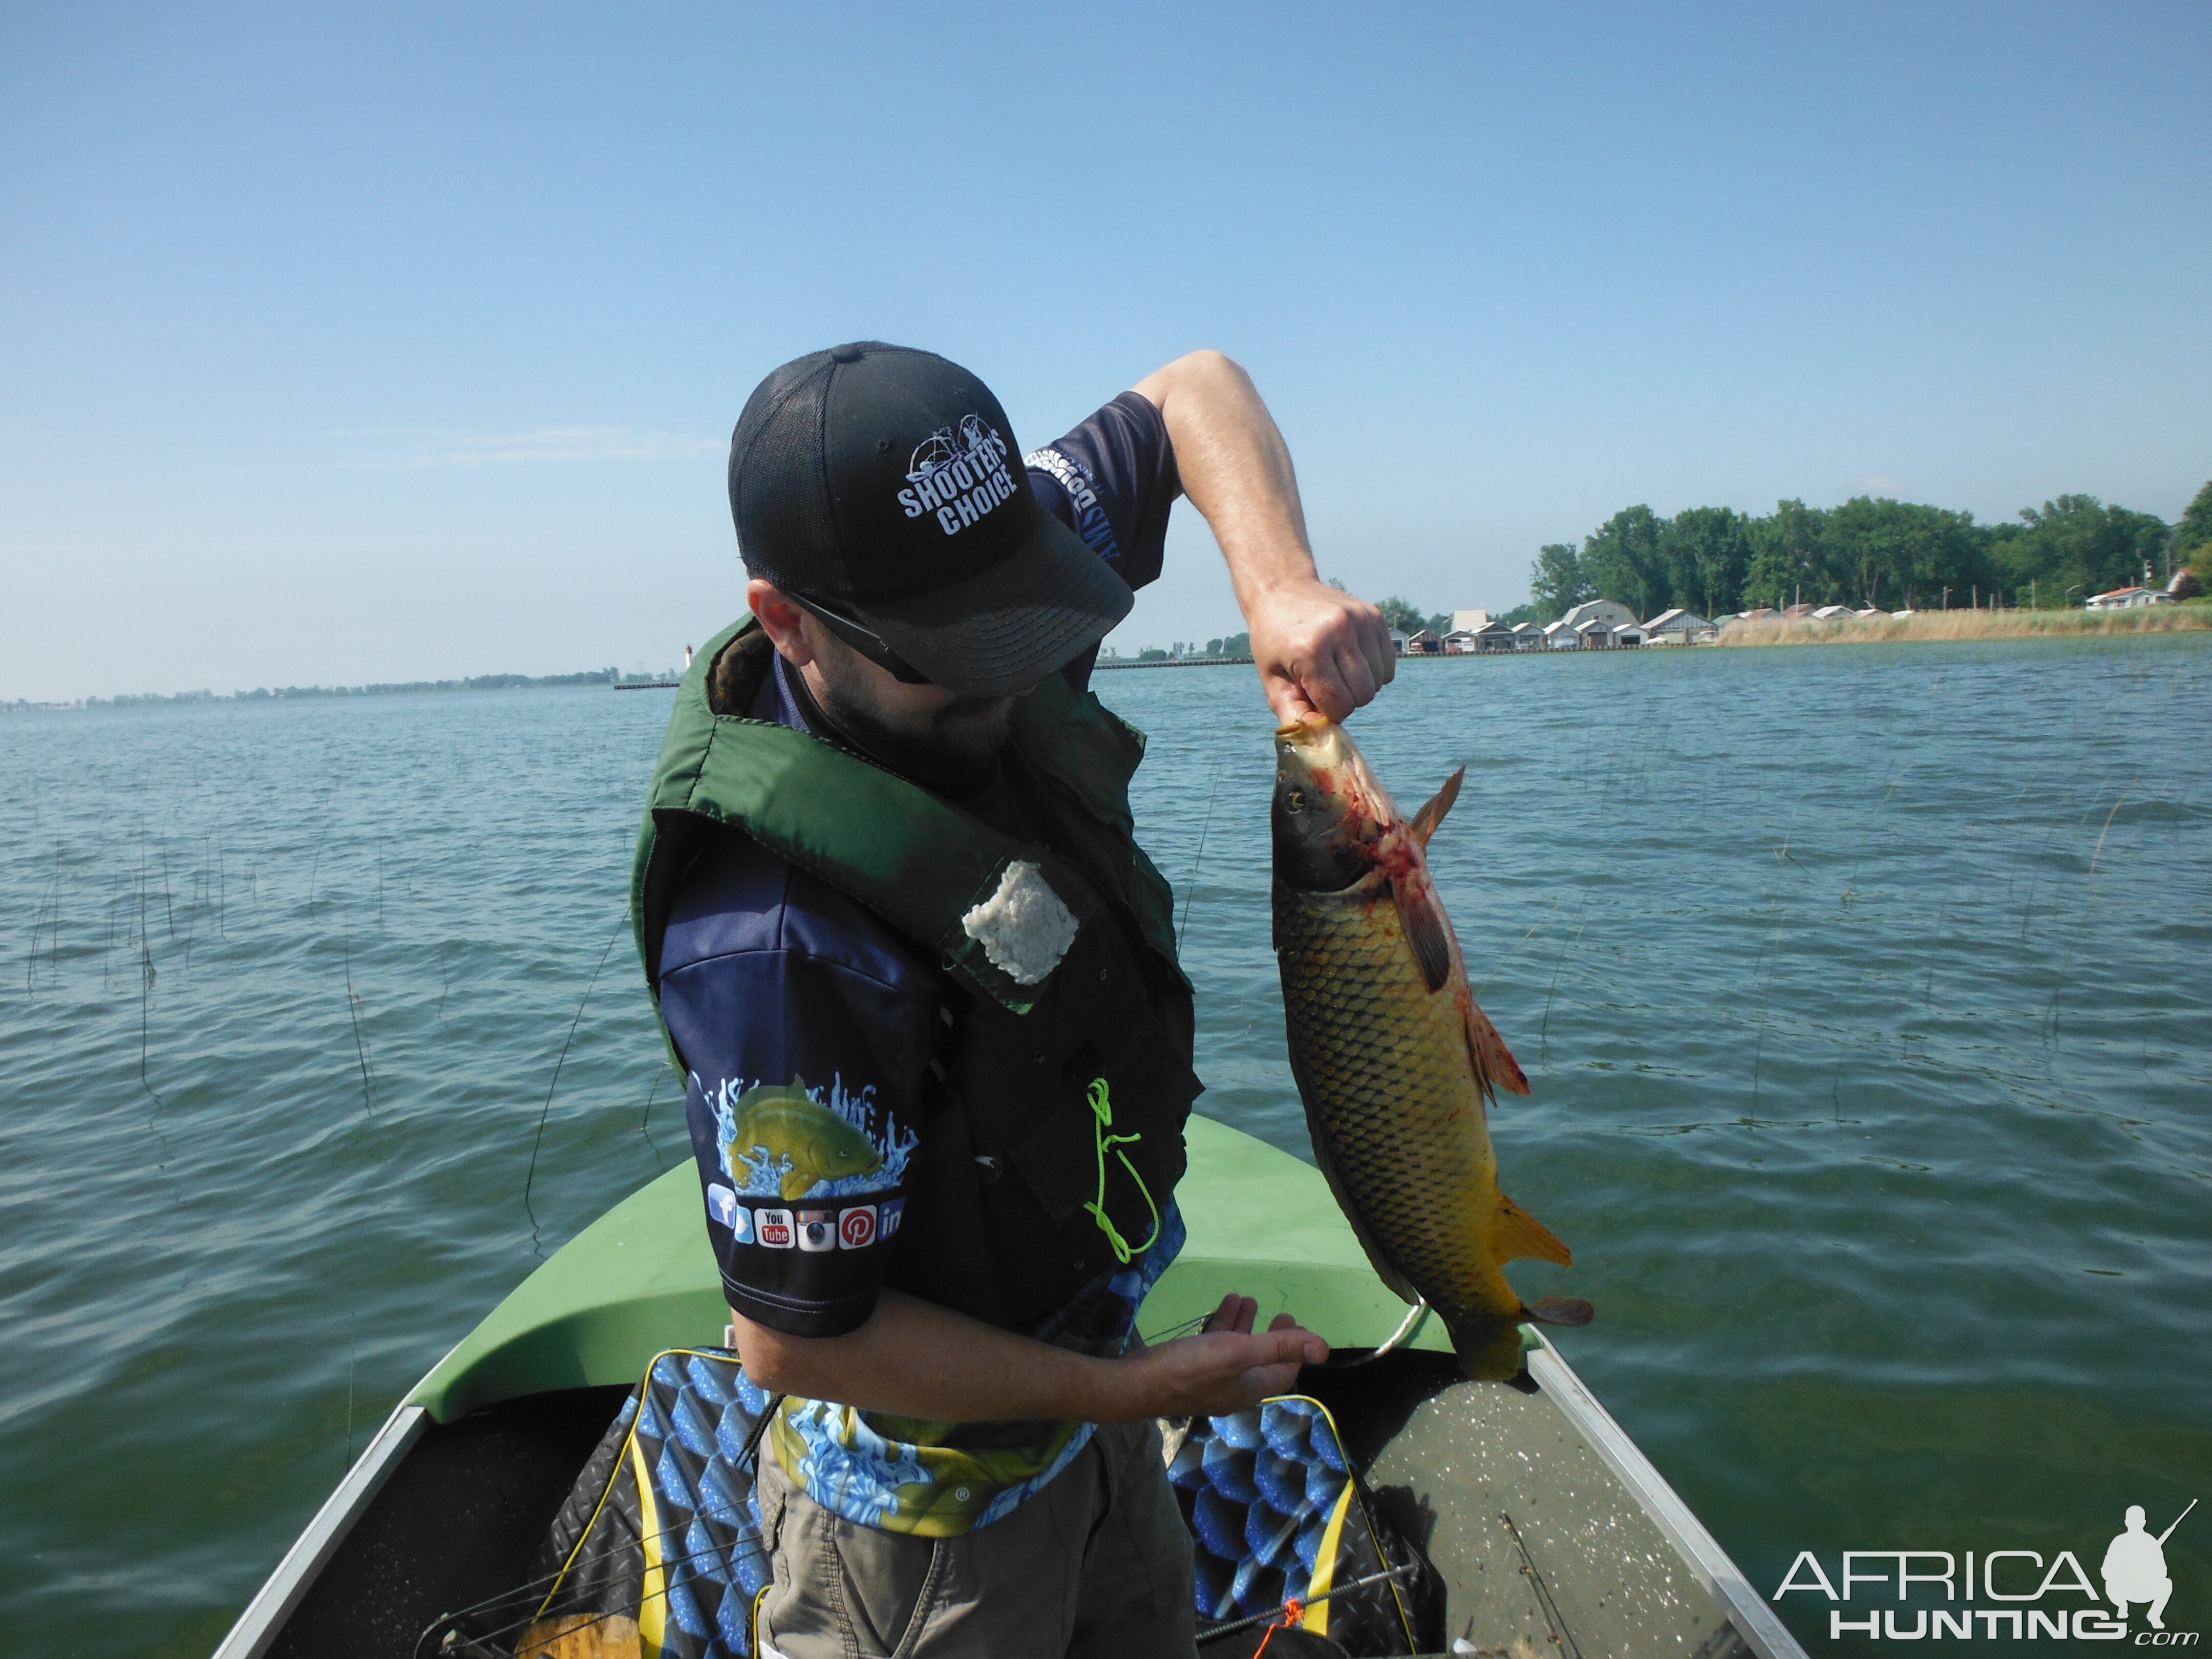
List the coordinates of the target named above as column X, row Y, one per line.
column 1863, row 991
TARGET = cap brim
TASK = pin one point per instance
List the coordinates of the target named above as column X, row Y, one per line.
column 1005, row 628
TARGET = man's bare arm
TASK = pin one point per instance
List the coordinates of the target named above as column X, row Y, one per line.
column 1318, row 651
column 917, row 1359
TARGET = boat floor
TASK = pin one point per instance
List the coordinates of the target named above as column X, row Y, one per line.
column 1544, row 1549
column 461, row 1518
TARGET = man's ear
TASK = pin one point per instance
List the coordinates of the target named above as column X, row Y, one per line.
column 787, row 626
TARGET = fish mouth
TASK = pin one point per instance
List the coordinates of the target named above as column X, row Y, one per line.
column 1325, row 753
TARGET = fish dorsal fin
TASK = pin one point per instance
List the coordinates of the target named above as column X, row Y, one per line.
column 1426, row 930
column 1493, row 1060
column 1432, row 812
column 1516, row 1235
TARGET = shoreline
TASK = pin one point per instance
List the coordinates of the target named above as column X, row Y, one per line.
column 1937, row 626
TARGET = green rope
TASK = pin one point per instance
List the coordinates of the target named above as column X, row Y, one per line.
column 1102, row 1109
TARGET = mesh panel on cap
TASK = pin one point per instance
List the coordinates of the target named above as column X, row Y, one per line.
column 778, row 496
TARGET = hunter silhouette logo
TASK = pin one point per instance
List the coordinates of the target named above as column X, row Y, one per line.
column 957, row 475
column 2034, row 1600
column 2135, row 1566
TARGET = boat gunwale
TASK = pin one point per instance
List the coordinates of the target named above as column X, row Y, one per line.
column 1713, row 1567
column 265, row 1616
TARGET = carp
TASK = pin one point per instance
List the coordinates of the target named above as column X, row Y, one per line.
column 796, row 1139
column 1396, row 1064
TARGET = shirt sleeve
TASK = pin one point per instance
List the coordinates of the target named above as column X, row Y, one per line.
column 807, row 1031
column 1113, row 480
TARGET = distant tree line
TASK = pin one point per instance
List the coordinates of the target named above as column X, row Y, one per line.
column 474, row 683
column 1871, row 550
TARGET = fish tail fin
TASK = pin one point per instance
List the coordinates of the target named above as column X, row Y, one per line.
column 1493, row 1350
column 1516, row 1235
column 1493, row 1060
column 1489, row 1350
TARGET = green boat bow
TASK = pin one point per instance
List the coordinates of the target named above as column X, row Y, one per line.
column 642, row 1279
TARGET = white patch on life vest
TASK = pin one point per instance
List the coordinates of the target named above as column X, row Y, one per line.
column 1023, row 927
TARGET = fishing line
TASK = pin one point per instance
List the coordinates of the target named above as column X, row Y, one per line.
column 449, row 1623
column 1221, row 1631
column 2081, row 926
column 645, row 1123
column 1516, row 950
column 1561, row 1635
column 145, row 996
column 1544, row 1030
column 1191, row 892
column 353, row 1007
column 550, row 1583
column 536, row 1242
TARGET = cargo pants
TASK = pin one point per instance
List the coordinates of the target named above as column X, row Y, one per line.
column 1098, row 1563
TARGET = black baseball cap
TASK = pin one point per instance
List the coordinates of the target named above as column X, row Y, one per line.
column 883, row 486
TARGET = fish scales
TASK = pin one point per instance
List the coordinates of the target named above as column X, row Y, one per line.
column 1374, row 1055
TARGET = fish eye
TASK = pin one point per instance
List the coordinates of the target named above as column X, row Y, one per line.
column 1295, row 801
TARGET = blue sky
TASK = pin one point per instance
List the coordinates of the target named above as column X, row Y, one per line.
column 340, row 344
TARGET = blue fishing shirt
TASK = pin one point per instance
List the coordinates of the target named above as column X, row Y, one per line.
column 804, row 1018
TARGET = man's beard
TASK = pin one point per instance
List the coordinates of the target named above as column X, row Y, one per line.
column 957, row 745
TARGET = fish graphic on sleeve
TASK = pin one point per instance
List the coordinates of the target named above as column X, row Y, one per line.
column 786, row 1129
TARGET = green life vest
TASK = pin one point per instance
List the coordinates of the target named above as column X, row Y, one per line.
column 1053, row 1134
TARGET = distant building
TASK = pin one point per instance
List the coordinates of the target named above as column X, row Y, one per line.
column 1398, row 641
column 1423, row 644
column 1680, row 627
column 1461, row 642
column 687, row 658
column 1611, row 612
column 2127, row 598
column 1797, row 612
column 1525, row 636
column 1595, row 625
column 1764, row 613
column 1832, row 613
column 1469, row 622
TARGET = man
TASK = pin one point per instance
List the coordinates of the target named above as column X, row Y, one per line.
column 2134, row 1568
column 923, row 985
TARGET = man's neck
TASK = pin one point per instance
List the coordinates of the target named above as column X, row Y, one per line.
column 957, row 782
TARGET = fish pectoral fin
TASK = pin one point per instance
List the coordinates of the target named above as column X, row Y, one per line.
column 1493, row 1060
column 1427, row 931
column 1432, row 812
column 1516, row 1235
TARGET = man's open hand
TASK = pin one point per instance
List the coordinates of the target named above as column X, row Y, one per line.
column 1319, row 652
column 1227, row 1366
